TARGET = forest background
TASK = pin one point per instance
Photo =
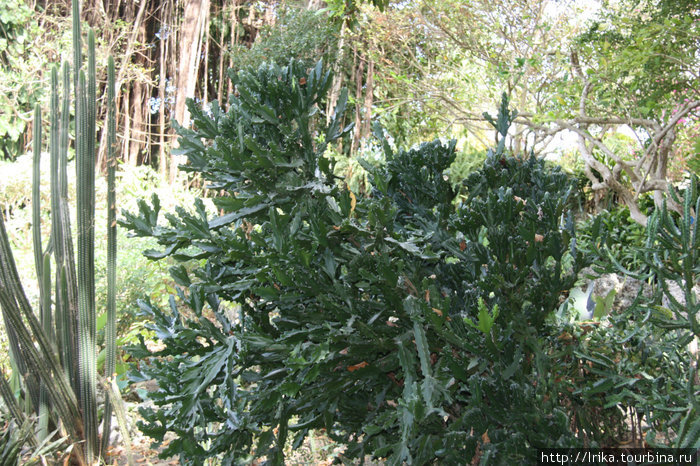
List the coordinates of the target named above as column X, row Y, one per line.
column 618, row 78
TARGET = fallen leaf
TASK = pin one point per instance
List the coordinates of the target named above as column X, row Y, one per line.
column 357, row 366
column 565, row 336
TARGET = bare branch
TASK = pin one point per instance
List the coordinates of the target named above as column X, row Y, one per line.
column 616, row 121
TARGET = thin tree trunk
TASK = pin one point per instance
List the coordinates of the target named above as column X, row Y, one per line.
column 270, row 14
column 337, row 74
column 222, row 56
column 661, row 171
column 234, row 39
column 163, row 73
column 136, row 124
column 127, row 124
column 358, row 106
column 369, row 99
column 205, row 34
column 120, row 76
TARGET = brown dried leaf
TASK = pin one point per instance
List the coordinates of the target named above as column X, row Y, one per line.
column 358, row 366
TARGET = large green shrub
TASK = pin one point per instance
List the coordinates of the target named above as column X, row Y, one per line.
column 405, row 327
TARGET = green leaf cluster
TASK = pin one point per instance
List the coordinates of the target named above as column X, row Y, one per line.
column 313, row 308
column 298, row 32
column 641, row 54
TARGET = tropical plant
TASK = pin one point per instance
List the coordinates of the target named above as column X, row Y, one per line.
column 671, row 253
column 54, row 352
column 406, row 328
column 644, row 359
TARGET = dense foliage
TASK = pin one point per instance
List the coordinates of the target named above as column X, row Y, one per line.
column 17, row 93
column 374, row 318
column 297, row 32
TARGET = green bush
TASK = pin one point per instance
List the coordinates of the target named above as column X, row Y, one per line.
column 647, row 366
column 615, row 231
column 406, row 328
column 297, row 32
column 19, row 94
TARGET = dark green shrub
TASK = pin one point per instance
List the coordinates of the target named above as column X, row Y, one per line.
column 405, row 328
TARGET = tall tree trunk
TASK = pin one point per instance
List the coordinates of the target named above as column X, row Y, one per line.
column 205, row 90
column 120, row 78
column 127, row 123
column 270, row 14
column 190, row 38
column 166, row 17
column 235, row 25
column 137, row 123
column 222, row 56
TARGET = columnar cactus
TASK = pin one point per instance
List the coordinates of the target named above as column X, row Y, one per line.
column 58, row 348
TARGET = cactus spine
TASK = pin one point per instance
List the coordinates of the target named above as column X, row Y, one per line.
column 58, row 348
